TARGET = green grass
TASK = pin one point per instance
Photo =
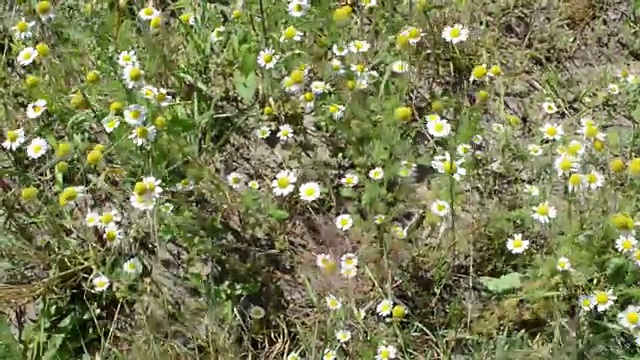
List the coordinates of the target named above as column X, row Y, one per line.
column 191, row 268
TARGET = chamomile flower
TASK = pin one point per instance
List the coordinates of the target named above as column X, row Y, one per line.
column 463, row 149
column 613, row 89
column 384, row 307
column 586, row 303
column 132, row 266
column 349, row 180
column 293, row 356
column 27, row 56
column 148, row 91
column 217, row 34
column 398, row 232
column 413, row 34
column 325, row 262
column 340, row 50
column 133, row 76
column 630, row 317
column 110, row 123
column 320, row 87
column 336, row 111
column 358, row 46
column 127, row 58
column 336, row 66
column 566, row 164
column 45, row 11
column 348, row 273
column 626, row 243
column 456, row 34
column 37, row 148
column 185, row 184
column 369, row 3
column 236, row 180
column 142, row 202
column 148, row 13
column 267, row 58
column 590, row 131
column 376, row 174
column 22, row 29
column 253, row 184
column 70, row 195
column 479, row 72
column 92, row 219
column 284, row 183
column 400, row 67
column 379, row 219
column 329, row 355
column 263, row 132
column 563, row 264
column 100, row 283
column 407, row 169
column 290, row 34
column 440, row 208
column 386, row 352
column 35, row 109
column 108, row 217
column 532, row 190
column 343, row 336
column 603, row 300
column 575, row 182
column 552, row 131
column 517, row 245
column 135, row 114
column 444, row 164
column 635, row 256
column 544, row 212
column 549, row 107
column 142, row 135
column 298, row 8
column 112, row 234
column 256, row 312
column 166, row 208
column 285, row 132
column 439, row 128
column 534, row 150
column 349, row 260
column 13, row 139
column 593, row 180
column 344, row 222
column 333, row 303
column 310, row 191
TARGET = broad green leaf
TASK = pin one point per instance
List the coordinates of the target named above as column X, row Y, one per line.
column 502, row 284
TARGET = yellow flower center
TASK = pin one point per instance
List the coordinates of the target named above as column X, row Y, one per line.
column 135, row 114
column 148, row 11
column 308, row 96
column 142, row 132
column 43, row 7
column 633, row 318
column 106, row 218
column 586, row 302
column 101, row 283
column 455, row 33
column 344, row 222
column 135, row 74
column 283, row 182
column 565, row 164
column 297, row 76
column 111, row 236
column 267, row 58
column 591, row 178
column 517, row 243
column 360, row 68
column 543, row 210
column 290, row 32
column 414, row 33
column 449, row 167
column 562, row 264
column 37, row 148
column 12, row 135
column 574, row 149
column 439, row 127
column 479, row 72
column 627, row 244
column 160, row 97
column 26, row 55
column 22, row 26
column 602, row 298
column 590, row 131
column 575, row 180
column 131, row 266
column 384, row 354
column 297, row 7
column 551, row 131
column 358, row 45
column 310, row 192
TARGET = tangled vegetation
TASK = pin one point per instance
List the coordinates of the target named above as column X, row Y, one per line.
column 310, row 179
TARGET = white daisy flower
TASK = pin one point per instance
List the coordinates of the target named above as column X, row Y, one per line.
column 440, row 208
column 293, row 356
column 444, row 164
column 349, row 260
column 217, row 34
column 37, row 148
column 256, row 312
column 112, row 234
column 348, row 273
column 142, row 135
column 162, row 97
column 148, row 13
column 253, row 184
column 133, row 76
column 133, row 266
column 263, row 132
column 135, row 114
column 358, row 46
column 284, row 183
column 148, row 91
column 320, row 87
column 142, row 202
column 344, row 222
column 340, row 50
column 586, row 303
column 333, row 303
column 92, row 219
column 463, row 149
column 297, row 8
column 329, row 355
column 379, row 219
column 593, row 180
column 439, row 128
column 613, row 89
column 376, row 174
column 285, row 132
column 110, row 123
column 552, row 131
column 236, row 180
column 603, row 300
column 517, row 245
column 22, row 29
column 267, row 58
column 36, row 109
column 626, row 243
column 27, row 56
column 549, row 107
column 532, row 190
column 100, row 283
column 630, row 317
column 456, row 34
column 384, row 308
column 336, row 111
column 544, row 212
column 407, row 169
column 386, row 352
column 343, row 336
column 400, row 67
column 13, row 140
column 564, row 264
column 566, row 164
column 290, row 33
column 349, row 180
column 127, row 58
column 310, row 191
column 534, row 150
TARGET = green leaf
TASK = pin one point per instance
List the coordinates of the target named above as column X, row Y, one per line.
column 348, row 193
column 248, row 61
column 502, row 284
column 279, row 214
column 245, row 86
